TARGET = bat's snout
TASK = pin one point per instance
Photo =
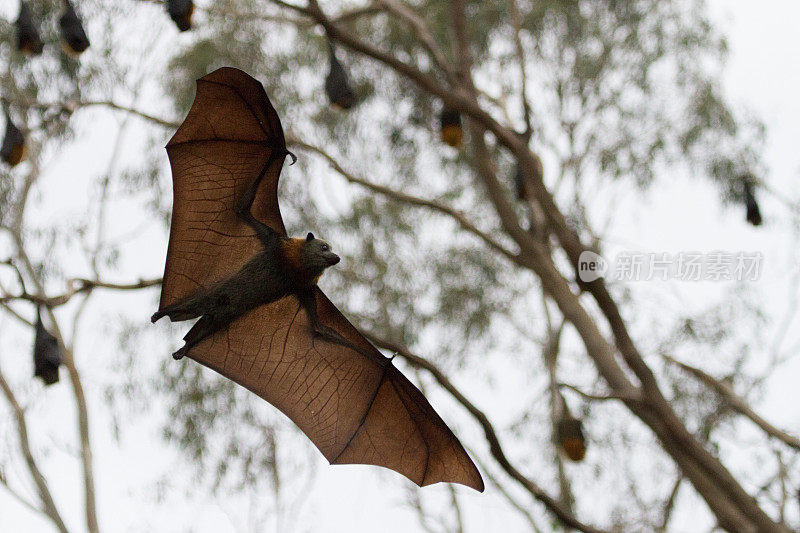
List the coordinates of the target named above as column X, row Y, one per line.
column 333, row 259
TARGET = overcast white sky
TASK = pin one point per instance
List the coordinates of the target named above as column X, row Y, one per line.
column 763, row 75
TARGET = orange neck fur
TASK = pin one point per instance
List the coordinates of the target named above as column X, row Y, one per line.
column 292, row 250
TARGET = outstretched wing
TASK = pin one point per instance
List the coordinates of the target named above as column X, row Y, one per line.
column 355, row 409
column 231, row 135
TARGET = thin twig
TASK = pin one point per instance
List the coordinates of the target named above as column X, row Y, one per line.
column 422, row 33
column 516, row 23
column 72, row 106
column 491, row 435
column 602, row 397
column 49, row 506
column 669, row 505
column 19, row 497
column 407, row 198
column 79, row 286
column 507, row 495
column 739, row 404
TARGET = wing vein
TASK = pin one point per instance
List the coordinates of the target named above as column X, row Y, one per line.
column 363, row 418
column 419, row 428
column 240, row 141
column 246, row 103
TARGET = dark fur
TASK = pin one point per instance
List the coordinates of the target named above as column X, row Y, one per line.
column 180, row 11
column 753, row 212
column 285, row 266
column 337, row 83
column 73, row 36
column 28, row 40
column 13, row 148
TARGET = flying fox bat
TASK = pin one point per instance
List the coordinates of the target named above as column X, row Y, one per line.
column 46, row 353
column 263, row 321
column 180, row 11
column 753, row 212
column 451, row 131
column 337, row 83
column 28, row 40
column 73, row 36
column 12, row 150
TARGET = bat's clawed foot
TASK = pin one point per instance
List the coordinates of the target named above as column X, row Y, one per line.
column 156, row 316
column 181, row 353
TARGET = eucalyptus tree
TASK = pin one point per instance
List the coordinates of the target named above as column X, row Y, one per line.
column 475, row 288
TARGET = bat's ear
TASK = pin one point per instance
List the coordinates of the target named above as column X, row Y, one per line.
column 310, row 236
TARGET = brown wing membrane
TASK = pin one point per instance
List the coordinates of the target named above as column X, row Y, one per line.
column 355, row 409
column 231, row 135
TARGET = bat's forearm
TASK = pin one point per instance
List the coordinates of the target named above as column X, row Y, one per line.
column 309, row 302
column 245, row 203
column 331, row 335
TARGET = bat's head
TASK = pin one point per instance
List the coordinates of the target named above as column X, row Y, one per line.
column 317, row 255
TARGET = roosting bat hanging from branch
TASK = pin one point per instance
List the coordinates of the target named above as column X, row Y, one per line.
column 46, row 353
column 28, row 40
column 12, row 151
column 451, row 131
column 263, row 322
column 180, row 11
column 337, row 83
column 73, row 36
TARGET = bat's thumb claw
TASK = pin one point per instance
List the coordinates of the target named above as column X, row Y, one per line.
column 155, row 317
column 294, row 157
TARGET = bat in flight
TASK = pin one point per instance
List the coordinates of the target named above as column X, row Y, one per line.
column 263, row 321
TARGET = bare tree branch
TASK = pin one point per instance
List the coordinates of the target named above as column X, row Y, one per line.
column 507, row 495
column 739, row 404
column 77, row 286
column 406, row 198
column 516, row 23
column 72, row 106
column 602, row 397
column 669, row 506
column 422, row 33
column 491, row 435
column 48, row 504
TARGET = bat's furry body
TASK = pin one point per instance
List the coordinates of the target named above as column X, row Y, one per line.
column 73, row 36
column 751, row 205
column 180, row 11
column 12, row 150
column 263, row 321
column 337, row 83
column 285, row 266
column 259, row 282
column 28, row 39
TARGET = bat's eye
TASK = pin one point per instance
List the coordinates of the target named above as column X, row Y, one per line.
column 325, row 248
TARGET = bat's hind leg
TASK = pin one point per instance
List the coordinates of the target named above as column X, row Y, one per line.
column 203, row 328
column 193, row 306
column 181, row 310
